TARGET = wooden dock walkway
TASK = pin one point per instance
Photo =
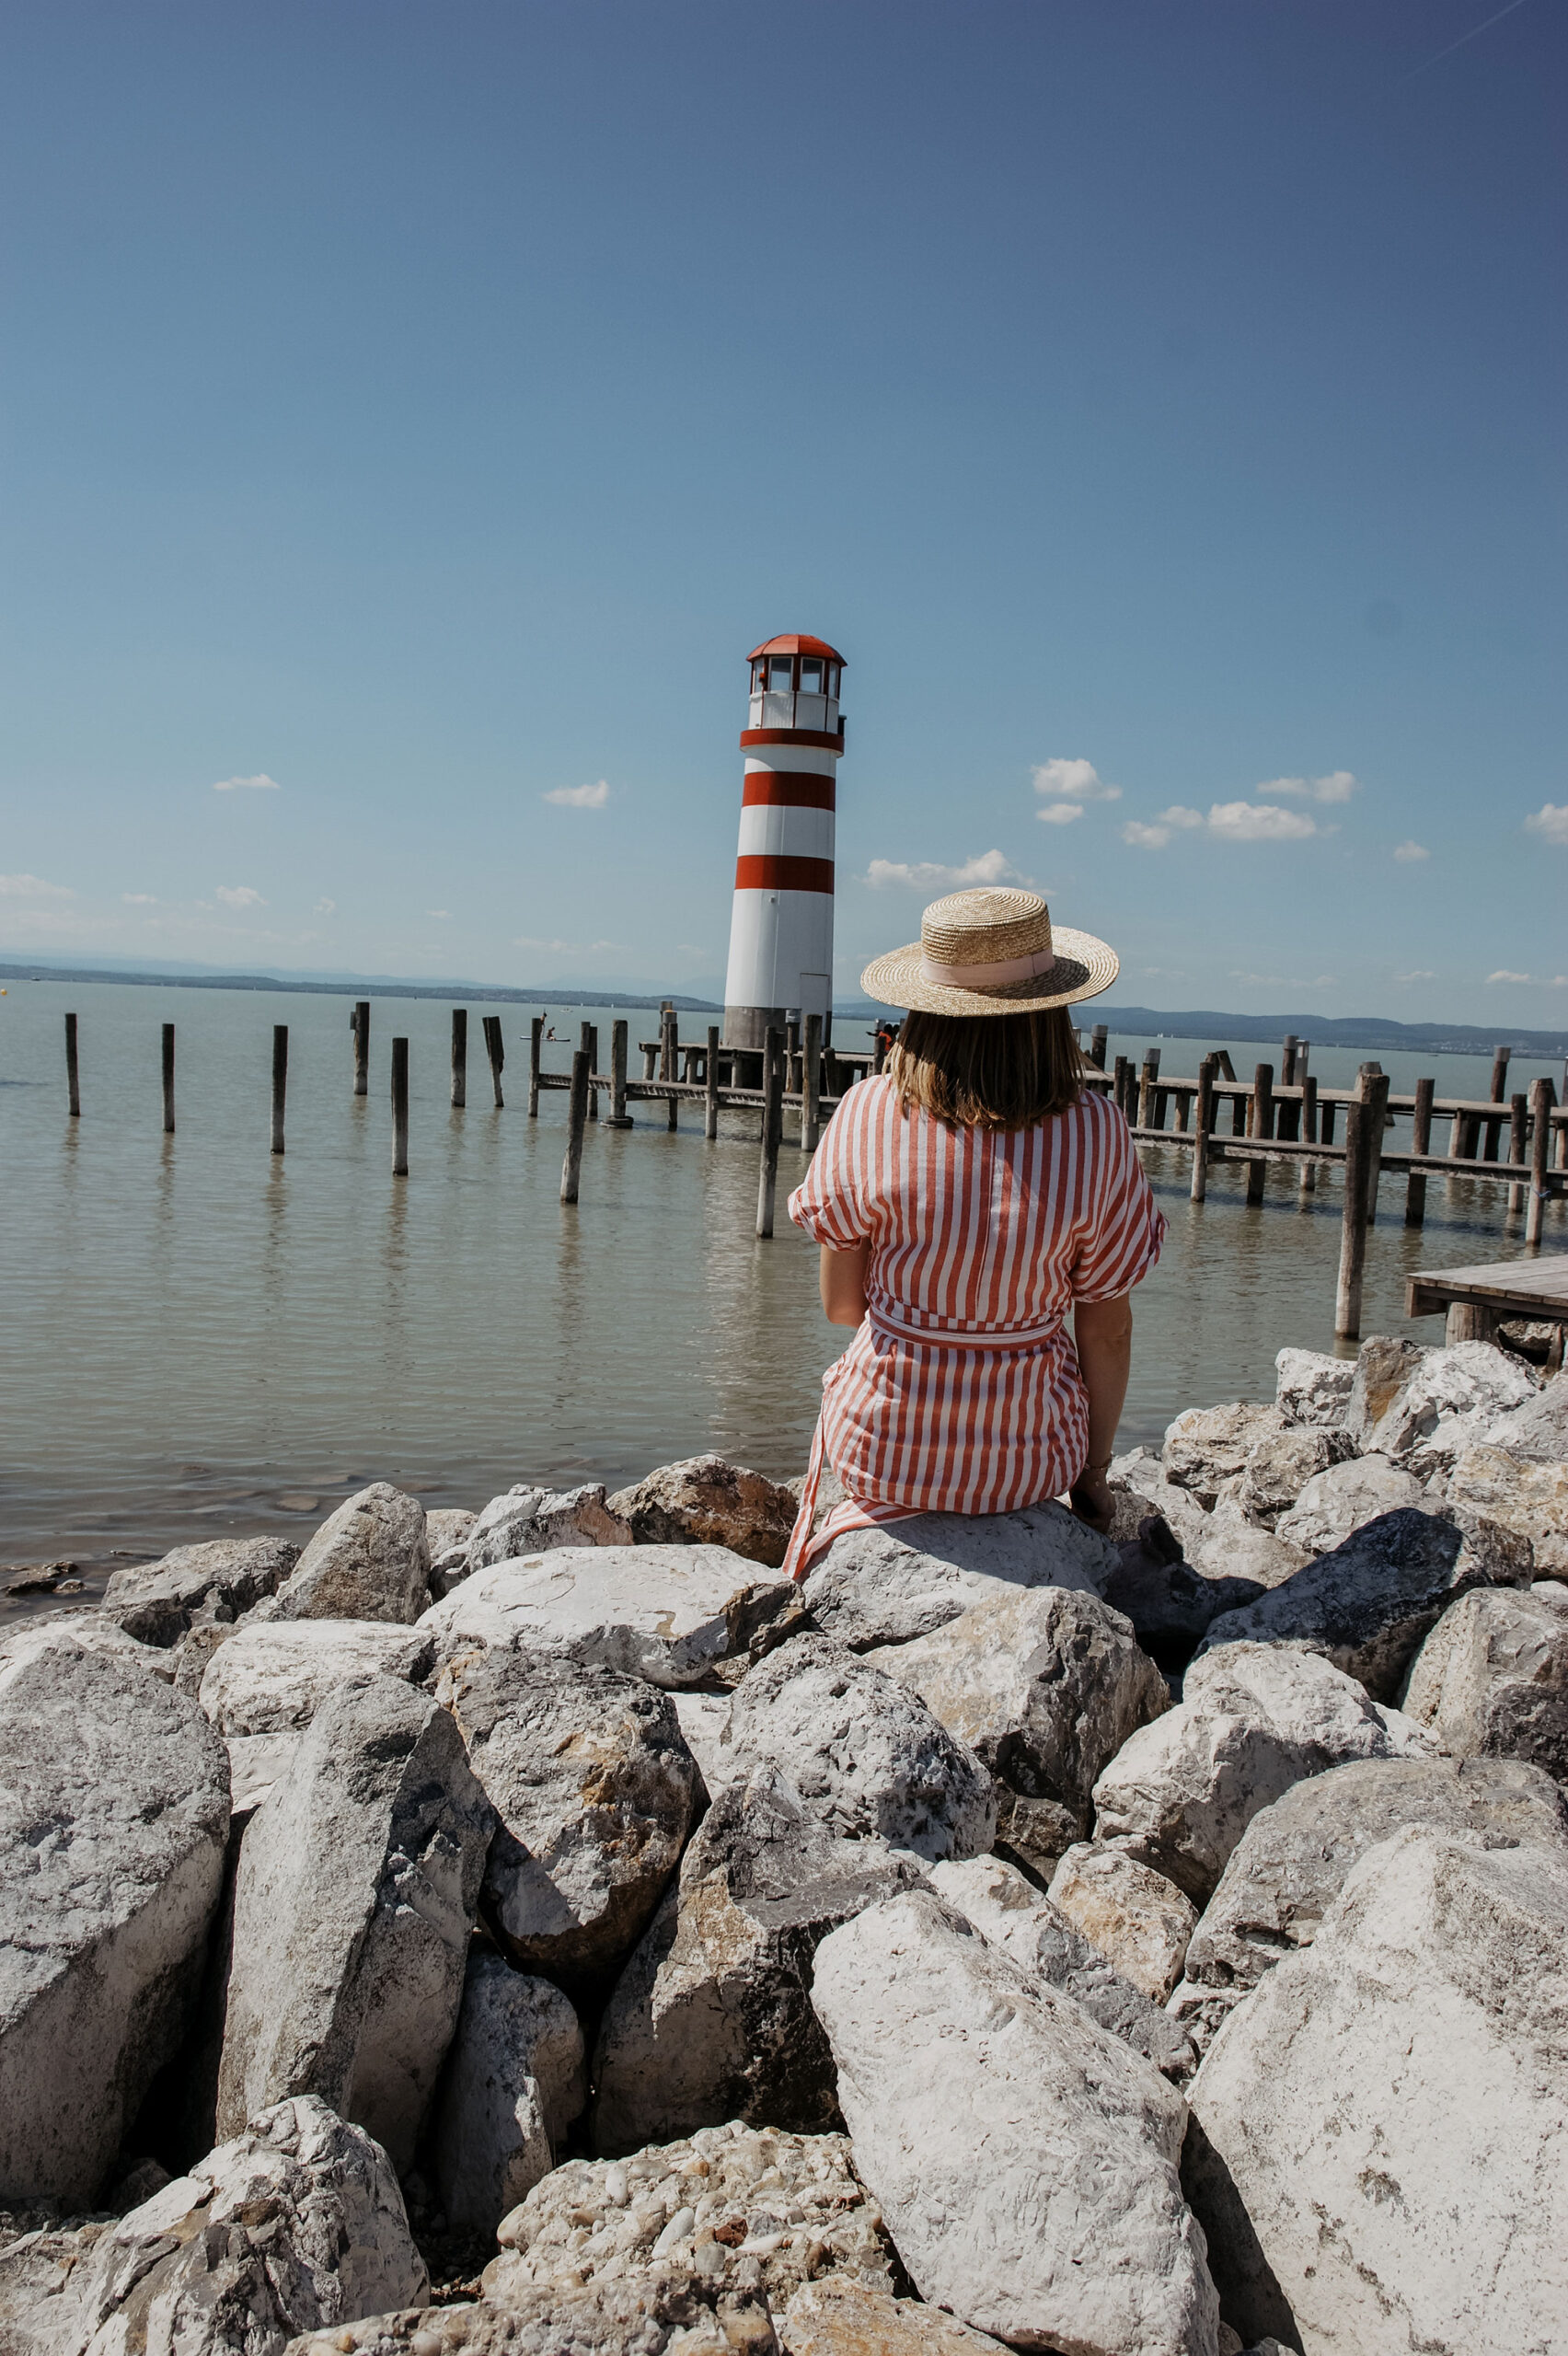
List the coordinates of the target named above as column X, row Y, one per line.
column 1478, row 1299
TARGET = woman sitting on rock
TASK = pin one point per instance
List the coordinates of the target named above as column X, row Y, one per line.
column 965, row 1201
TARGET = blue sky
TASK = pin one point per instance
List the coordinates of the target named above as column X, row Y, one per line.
column 417, row 411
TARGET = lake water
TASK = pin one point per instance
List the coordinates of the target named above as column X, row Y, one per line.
column 201, row 1339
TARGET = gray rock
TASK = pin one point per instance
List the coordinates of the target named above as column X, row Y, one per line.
column 1538, row 1430
column 1383, row 1366
column 1334, row 1504
column 1453, row 1396
column 1312, row 1390
column 957, row 2074
column 1253, row 1720
column 82, row 1632
column 158, row 1602
column 1205, row 1447
column 1492, row 1679
column 263, row 1685
column 1168, row 1602
column 595, row 1791
column 114, row 1812
column 669, row 1614
column 703, row 1501
column 1043, row 1687
column 447, row 1528
column 1380, row 2133
column 530, row 1520
column 867, row 1755
column 357, row 1887
column 702, row 1718
column 1292, row 1860
column 368, row 1561
column 844, row 2316
column 1011, row 1914
column 514, row 2083
column 1232, row 1548
column 712, row 2018
column 621, row 2318
column 887, row 1585
column 1138, row 1487
column 295, row 2224
column 1368, row 1604
column 1139, row 1921
column 1530, row 1498
column 1280, row 1467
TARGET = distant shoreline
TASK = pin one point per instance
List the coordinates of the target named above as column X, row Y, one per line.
column 1367, row 1032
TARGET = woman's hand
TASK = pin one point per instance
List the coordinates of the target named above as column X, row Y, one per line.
column 1091, row 1501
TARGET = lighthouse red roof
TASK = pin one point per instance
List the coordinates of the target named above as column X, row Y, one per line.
column 797, row 645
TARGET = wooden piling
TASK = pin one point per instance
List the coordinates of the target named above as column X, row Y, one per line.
column 169, row 1078
column 588, row 1038
column 1519, row 1148
column 619, row 1117
column 399, row 1108
column 772, row 1126
column 279, row 1081
column 536, row 1051
column 1375, row 1082
column 1119, row 1084
column 1288, row 1062
column 1097, row 1039
column 1541, row 1096
column 1420, row 1142
column 359, row 1021
column 1352, row 1231
column 496, row 1049
column 72, row 1077
column 710, row 1086
column 1262, row 1127
column 1149, row 1074
column 577, row 1122
column 1308, row 1182
column 1500, row 1060
column 459, row 1057
column 1202, row 1125
column 1293, row 1071
column 810, row 1086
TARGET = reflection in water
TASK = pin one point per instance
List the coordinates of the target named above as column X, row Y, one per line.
column 204, row 1341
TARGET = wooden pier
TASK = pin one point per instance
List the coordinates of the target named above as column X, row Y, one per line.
column 1477, row 1301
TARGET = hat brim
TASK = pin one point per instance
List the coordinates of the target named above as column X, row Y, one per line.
column 1084, row 968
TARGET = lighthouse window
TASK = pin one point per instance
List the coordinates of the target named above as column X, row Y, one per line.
column 779, row 671
column 832, row 671
column 759, row 676
column 811, row 676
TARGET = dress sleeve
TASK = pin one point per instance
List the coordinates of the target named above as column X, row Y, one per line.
column 1121, row 1239
column 833, row 1205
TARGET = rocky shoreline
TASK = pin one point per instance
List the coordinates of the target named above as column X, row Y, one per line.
column 543, row 1929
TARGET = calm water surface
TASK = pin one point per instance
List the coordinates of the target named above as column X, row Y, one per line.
column 199, row 1339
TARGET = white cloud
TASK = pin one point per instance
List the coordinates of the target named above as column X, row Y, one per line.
column 32, row 887
column 262, row 784
column 925, row 875
column 1287, row 981
column 325, row 909
column 442, row 915
column 1066, row 786
column 1059, row 814
column 139, row 899
column 1420, row 975
column 1550, row 820
column 1560, row 981
column 1143, row 837
column 578, row 797
column 1180, row 815
column 1503, row 974
column 239, row 895
column 1338, row 786
column 1259, row 822
column 572, row 948
column 1409, row 852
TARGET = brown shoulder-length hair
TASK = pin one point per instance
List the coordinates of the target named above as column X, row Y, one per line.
column 988, row 1071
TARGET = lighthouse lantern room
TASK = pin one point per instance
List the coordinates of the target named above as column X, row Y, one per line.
column 781, row 928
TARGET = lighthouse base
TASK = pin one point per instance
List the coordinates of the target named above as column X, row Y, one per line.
column 748, row 1026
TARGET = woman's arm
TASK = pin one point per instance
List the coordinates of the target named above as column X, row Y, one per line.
column 841, row 1277
column 1103, row 1330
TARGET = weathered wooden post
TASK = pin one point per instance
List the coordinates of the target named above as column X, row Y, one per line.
column 649, row 1063
column 1518, row 1134
column 791, row 1051
column 536, row 1040
column 810, row 1086
column 710, row 1086
column 1420, row 1142
column 619, row 1117
column 1203, row 1126
column 359, row 1023
column 169, row 1078
column 459, row 1057
column 1353, row 1229
column 772, row 1126
column 1293, row 1073
column 1262, row 1125
column 1145, row 1087
column 1308, row 1182
column 1541, row 1097
column 588, row 1039
column 878, row 1058
column 1373, row 1084
column 279, row 1081
column 1097, row 1038
column 496, row 1050
column 670, row 1036
column 1288, row 1062
column 577, row 1122
column 399, row 1108
column 73, row 1081
column 1119, row 1082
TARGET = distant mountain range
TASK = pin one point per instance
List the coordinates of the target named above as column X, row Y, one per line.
column 1372, row 1032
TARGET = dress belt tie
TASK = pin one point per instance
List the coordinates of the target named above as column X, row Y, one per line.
column 1010, row 1338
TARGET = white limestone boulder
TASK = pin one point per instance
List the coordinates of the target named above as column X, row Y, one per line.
column 295, row 2224
column 1492, row 1679
column 893, row 1582
column 1139, row 1921
column 1530, row 1498
column 670, row 1614
column 702, row 1718
column 705, row 1501
column 1280, row 1467
column 846, row 2316
column 370, row 1560
column 1383, row 1366
column 1312, row 1391
column 1343, row 1498
column 82, row 1632
column 533, row 1521
column 1538, row 1430
column 220, row 1578
column 595, row 1793
column 1379, row 2145
column 114, row 1813
column 1254, row 1719
column 1206, row 1447
column 1025, row 2161
column 866, row 1754
column 1231, row 1546
column 1452, row 1398
column 357, row 1887
column 1044, row 1686
column 515, row 2083
column 263, row 1684
column 1138, row 1486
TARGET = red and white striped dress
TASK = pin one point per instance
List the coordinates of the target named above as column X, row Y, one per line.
column 960, row 1391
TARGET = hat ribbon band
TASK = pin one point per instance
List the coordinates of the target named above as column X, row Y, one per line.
column 986, row 978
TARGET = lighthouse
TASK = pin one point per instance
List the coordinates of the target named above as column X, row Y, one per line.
column 781, row 928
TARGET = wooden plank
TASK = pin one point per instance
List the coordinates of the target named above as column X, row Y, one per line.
column 1515, row 1288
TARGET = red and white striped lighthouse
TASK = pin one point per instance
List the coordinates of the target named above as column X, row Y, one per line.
column 781, row 930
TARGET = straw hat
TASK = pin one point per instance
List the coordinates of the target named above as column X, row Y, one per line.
column 991, row 952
